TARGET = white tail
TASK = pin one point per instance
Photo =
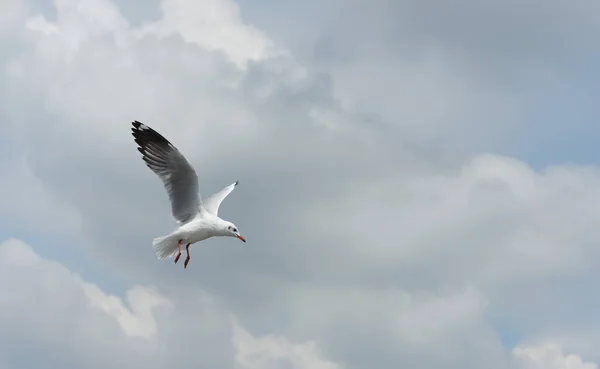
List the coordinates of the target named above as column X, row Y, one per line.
column 165, row 246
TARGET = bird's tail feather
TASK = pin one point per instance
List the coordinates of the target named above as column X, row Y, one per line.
column 165, row 246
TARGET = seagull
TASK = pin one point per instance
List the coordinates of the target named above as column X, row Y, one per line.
column 197, row 219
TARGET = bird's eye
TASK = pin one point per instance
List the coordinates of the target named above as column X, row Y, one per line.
column 235, row 230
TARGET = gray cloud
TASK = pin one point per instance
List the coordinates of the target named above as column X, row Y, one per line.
column 374, row 245
column 464, row 75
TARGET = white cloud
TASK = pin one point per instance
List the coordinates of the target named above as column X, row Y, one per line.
column 137, row 322
column 77, row 22
column 214, row 25
column 272, row 352
column 51, row 308
column 46, row 308
column 135, row 319
column 549, row 356
column 493, row 220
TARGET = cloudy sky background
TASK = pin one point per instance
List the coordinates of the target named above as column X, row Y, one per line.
column 419, row 184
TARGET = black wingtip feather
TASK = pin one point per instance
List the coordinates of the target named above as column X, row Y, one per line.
column 145, row 135
column 236, row 183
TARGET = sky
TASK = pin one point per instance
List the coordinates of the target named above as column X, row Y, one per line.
column 419, row 184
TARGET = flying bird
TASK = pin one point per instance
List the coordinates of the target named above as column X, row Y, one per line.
column 197, row 219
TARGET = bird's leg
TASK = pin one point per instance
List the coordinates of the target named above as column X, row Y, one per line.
column 187, row 258
column 178, row 251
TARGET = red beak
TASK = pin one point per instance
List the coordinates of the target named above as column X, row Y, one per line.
column 241, row 238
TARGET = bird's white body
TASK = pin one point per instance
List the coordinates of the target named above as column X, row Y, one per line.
column 198, row 219
column 203, row 226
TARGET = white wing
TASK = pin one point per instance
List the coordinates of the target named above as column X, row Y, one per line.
column 214, row 201
column 178, row 176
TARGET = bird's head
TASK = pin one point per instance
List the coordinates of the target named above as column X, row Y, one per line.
column 232, row 231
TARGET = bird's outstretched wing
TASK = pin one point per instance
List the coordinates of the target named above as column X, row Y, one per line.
column 178, row 176
column 212, row 203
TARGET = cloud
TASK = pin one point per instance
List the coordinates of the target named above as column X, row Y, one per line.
column 270, row 352
column 429, row 329
column 51, row 309
column 366, row 244
column 213, row 25
column 549, row 356
column 55, row 317
column 33, row 203
column 468, row 76
column 137, row 322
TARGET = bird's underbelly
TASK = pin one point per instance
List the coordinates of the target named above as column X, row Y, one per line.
column 197, row 237
column 192, row 233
